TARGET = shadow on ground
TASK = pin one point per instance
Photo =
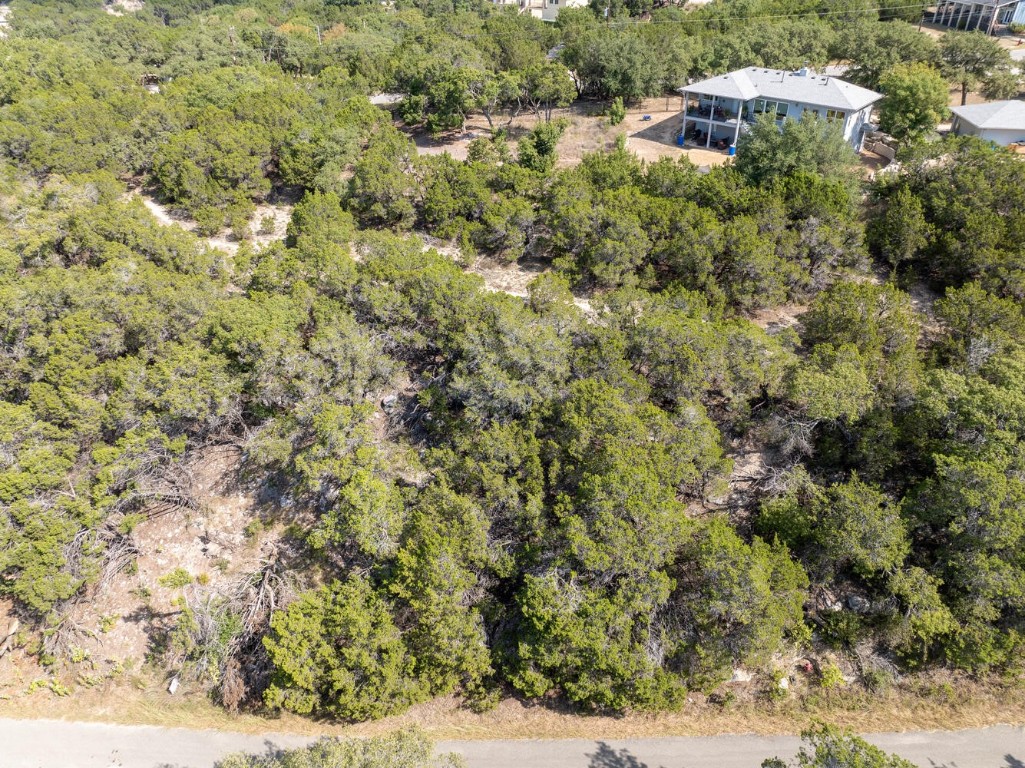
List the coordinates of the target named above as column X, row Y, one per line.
column 662, row 132
column 607, row 757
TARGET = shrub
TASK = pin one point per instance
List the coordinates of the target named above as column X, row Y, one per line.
column 830, row 676
column 617, row 112
column 175, row 579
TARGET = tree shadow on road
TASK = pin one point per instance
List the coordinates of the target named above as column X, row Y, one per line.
column 607, row 757
column 1010, row 761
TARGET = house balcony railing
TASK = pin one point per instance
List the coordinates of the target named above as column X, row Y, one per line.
column 716, row 112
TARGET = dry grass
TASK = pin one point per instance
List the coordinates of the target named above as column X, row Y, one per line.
column 587, row 131
column 936, row 707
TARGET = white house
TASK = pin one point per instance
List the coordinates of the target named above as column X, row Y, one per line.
column 716, row 110
column 546, row 10
column 1002, row 122
column 982, row 15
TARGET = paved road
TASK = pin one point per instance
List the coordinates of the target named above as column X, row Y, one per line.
column 58, row 744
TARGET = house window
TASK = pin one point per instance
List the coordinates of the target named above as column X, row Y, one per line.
column 835, row 114
column 777, row 108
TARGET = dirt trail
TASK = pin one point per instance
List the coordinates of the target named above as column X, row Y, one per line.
column 501, row 276
column 5, row 15
column 270, row 222
column 121, row 7
column 267, row 225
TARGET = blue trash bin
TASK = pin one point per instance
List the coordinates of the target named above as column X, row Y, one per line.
column 679, row 140
column 732, row 150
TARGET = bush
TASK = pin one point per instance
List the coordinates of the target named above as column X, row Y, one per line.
column 830, row 676
column 779, row 686
column 842, row 629
column 877, row 680
column 409, row 749
column 175, row 579
column 337, row 651
column 617, row 112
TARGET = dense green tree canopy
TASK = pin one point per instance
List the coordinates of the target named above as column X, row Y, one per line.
column 915, row 101
column 703, row 418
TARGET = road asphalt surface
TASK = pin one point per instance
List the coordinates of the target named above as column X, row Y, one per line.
column 60, row 744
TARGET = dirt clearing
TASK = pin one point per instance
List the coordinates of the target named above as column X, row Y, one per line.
column 121, row 7
column 267, row 225
column 588, row 131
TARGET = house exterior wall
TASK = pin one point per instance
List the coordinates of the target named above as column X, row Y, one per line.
column 546, row 10
column 855, row 127
column 852, row 124
column 999, row 136
column 552, row 8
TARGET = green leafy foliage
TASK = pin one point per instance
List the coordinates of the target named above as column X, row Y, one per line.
column 337, row 651
column 915, row 101
column 408, row 748
column 526, row 491
column 742, row 600
column 825, row 745
column 971, row 57
column 811, row 144
column 971, row 208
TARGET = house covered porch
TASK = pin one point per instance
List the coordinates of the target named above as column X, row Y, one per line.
column 712, row 122
column 980, row 15
column 716, row 122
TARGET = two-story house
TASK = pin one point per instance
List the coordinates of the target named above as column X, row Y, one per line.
column 715, row 109
column 546, row 10
column 982, row 15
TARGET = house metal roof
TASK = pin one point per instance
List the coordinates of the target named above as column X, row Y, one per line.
column 1008, row 115
column 802, row 87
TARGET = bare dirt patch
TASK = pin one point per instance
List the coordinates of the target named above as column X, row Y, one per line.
column 588, row 131
column 779, row 318
column 267, row 225
column 207, row 543
column 655, row 137
column 270, row 222
column 507, row 277
column 511, row 277
column 121, row 623
column 121, row 7
column 923, row 299
column 872, row 163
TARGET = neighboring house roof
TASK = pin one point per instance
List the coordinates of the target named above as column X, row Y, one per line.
column 1006, row 115
column 801, row 87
